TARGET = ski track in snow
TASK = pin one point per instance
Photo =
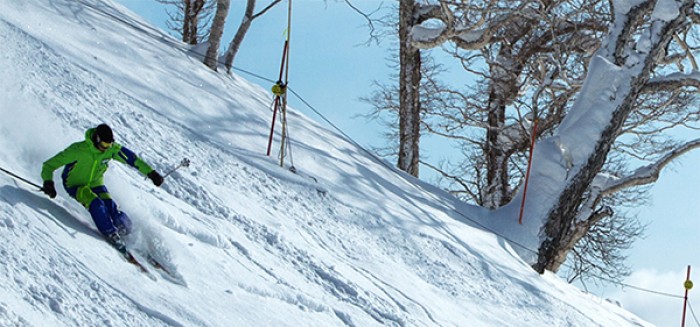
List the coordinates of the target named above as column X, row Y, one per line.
column 9, row 318
column 63, row 295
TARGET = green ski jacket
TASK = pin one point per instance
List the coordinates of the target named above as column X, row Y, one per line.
column 86, row 165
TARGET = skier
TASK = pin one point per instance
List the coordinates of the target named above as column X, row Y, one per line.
column 85, row 164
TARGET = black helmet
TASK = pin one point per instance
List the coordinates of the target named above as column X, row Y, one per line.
column 103, row 134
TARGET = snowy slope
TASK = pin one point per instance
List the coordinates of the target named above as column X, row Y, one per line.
column 249, row 243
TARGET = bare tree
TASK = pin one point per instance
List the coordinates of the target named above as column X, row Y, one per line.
column 534, row 63
column 409, row 91
column 405, row 108
column 217, row 30
column 237, row 40
column 537, row 56
column 385, row 101
column 190, row 18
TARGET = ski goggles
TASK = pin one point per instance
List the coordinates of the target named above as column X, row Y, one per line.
column 104, row 145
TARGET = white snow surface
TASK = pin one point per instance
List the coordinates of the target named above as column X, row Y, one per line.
column 347, row 241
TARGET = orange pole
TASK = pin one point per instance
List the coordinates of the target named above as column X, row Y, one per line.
column 527, row 174
column 685, row 302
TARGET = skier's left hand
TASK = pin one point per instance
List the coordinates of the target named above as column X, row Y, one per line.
column 156, row 178
column 49, row 189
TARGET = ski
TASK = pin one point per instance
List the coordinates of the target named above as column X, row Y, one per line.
column 155, row 263
column 130, row 258
column 139, row 259
column 165, row 272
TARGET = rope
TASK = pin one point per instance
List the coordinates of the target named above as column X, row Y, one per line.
column 642, row 289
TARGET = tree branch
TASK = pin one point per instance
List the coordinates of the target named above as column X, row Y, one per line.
column 649, row 173
column 373, row 34
column 262, row 12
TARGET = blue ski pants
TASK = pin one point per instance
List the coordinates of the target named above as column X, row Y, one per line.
column 104, row 211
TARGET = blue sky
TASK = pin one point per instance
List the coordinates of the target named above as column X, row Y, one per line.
column 323, row 55
column 331, row 68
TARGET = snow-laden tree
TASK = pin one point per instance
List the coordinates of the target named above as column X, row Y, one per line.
column 530, row 57
column 590, row 133
column 403, row 102
column 567, row 169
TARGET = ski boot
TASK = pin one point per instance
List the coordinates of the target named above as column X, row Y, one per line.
column 116, row 241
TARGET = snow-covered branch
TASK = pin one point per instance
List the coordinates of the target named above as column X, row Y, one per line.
column 649, row 173
column 673, row 82
column 470, row 38
column 606, row 185
column 626, row 22
column 262, row 12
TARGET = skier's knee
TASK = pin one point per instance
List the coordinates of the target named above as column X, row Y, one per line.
column 101, row 217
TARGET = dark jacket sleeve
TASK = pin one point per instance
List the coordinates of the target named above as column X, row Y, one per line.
column 124, row 155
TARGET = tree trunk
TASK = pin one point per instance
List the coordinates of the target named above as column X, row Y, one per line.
column 186, row 23
column 190, row 21
column 240, row 35
column 409, row 92
column 217, row 30
column 502, row 89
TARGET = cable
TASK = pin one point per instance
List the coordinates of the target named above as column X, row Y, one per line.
column 393, row 169
column 642, row 289
column 251, row 74
column 692, row 312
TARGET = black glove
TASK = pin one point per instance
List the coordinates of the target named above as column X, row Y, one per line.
column 49, row 189
column 156, row 178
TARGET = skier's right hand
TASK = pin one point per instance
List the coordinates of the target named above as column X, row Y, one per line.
column 49, row 189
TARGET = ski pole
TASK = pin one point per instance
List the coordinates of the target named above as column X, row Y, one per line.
column 184, row 163
column 22, row 179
